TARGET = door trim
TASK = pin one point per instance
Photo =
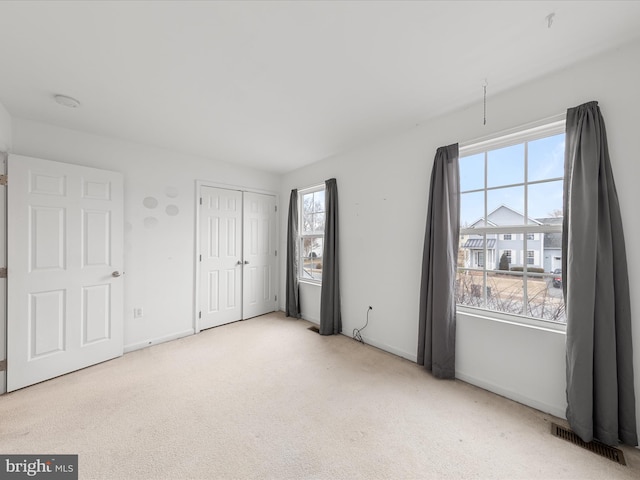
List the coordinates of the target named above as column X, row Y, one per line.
column 196, row 246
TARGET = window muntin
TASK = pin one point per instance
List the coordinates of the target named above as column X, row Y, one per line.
column 511, row 205
column 312, row 220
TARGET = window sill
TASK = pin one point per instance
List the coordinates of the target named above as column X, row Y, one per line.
column 310, row 282
column 515, row 320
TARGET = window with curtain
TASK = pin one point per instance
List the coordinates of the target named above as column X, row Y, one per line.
column 511, row 215
column 312, row 219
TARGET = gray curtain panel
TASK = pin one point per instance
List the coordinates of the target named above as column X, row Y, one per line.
column 600, row 391
column 437, row 321
column 330, row 317
column 292, row 300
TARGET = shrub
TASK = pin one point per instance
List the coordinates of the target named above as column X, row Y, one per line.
column 530, row 269
column 504, row 262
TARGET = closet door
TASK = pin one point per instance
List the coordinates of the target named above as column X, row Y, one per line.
column 237, row 256
column 259, row 250
column 220, row 257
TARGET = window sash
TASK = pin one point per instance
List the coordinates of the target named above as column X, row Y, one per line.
column 305, row 235
column 528, row 231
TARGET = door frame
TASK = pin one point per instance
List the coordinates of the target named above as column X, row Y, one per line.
column 4, row 157
column 196, row 249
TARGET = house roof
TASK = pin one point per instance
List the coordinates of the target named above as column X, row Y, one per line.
column 479, row 243
column 495, row 210
column 550, row 220
column 553, row 240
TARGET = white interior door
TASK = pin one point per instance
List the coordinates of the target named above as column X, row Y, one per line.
column 65, row 258
column 259, row 255
column 221, row 256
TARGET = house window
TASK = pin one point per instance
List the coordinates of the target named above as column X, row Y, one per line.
column 511, row 193
column 531, row 255
column 312, row 217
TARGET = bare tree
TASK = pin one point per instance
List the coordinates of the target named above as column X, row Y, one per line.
column 508, row 296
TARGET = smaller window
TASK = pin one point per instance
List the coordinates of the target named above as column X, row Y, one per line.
column 530, row 257
column 507, row 254
column 531, row 236
column 507, row 236
column 312, row 217
column 480, row 259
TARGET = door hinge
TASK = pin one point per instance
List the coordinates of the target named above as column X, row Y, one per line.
column 199, row 314
column 3, row 365
column 276, row 253
column 200, row 257
column 200, row 200
column 4, row 179
column 276, row 298
column 276, row 207
column 3, row 272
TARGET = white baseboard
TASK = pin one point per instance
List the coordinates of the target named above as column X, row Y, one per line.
column 310, row 319
column 516, row 396
column 154, row 341
column 3, row 382
column 388, row 348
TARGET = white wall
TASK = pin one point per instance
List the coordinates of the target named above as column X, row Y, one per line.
column 383, row 192
column 159, row 259
column 5, row 146
column 5, row 129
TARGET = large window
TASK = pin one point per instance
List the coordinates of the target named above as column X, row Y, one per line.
column 511, row 216
column 311, row 230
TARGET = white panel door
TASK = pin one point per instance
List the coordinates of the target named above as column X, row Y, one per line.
column 65, row 260
column 259, row 255
column 221, row 257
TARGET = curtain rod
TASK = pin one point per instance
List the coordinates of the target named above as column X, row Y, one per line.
column 527, row 126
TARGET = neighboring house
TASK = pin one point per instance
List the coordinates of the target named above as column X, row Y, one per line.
column 552, row 245
column 543, row 250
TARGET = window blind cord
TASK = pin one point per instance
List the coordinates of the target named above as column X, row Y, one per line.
column 356, row 331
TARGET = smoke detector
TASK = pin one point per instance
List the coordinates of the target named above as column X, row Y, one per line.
column 67, row 101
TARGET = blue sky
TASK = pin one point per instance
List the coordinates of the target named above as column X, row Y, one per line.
column 505, row 166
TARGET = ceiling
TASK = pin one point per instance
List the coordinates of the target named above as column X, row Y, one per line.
column 279, row 85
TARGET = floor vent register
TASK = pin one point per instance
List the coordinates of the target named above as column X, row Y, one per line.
column 612, row 453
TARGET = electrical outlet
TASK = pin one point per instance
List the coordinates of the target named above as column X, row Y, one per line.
column 138, row 312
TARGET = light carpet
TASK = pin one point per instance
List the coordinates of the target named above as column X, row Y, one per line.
column 269, row 399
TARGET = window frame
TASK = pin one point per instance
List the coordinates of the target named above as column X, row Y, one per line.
column 302, row 236
column 507, row 139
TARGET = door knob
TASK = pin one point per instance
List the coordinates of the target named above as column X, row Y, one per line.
column 238, row 262
column 246, row 262
column 115, row 274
